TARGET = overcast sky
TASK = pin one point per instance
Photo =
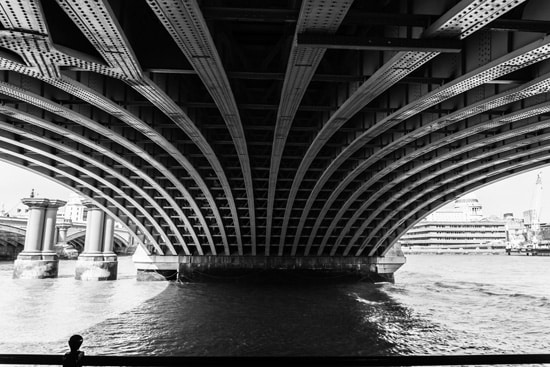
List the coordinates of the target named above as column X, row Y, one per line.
column 514, row 194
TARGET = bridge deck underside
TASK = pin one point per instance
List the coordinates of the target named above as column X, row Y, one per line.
column 277, row 128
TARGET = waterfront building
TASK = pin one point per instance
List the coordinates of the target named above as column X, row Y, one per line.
column 74, row 210
column 461, row 226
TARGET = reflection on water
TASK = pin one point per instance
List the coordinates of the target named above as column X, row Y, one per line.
column 439, row 305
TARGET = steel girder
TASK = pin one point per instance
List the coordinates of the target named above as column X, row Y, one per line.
column 332, row 149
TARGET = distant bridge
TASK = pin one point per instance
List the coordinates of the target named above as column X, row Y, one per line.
column 271, row 130
column 13, row 232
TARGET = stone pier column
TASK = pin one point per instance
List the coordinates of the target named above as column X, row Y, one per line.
column 62, row 248
column 49, row 229
column 38, row 260
column 97, row 262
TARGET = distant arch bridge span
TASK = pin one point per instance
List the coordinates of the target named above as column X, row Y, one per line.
column 13, row 231
column 314, row 128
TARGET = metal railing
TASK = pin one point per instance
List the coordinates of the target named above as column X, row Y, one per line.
column 412, row 360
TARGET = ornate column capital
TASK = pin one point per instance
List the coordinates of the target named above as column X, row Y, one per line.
column 56, row 204
column 35, row 202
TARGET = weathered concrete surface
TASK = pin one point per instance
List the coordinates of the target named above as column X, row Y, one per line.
column 35, row 268
column 96, row 268
column 285, row 269
column 268, row 268
column 156, row 275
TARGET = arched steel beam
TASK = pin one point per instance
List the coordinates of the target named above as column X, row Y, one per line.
column 64, row 112
column 471, row 182
column 536, row 86
column 515, row 60
column 446, row 156
column 65, row 179
column 37, row 148
column 104, row 33
column 47, row 51
column 315, row 16
column 429, row 145
column 28, row 97
column 49, row 141
column 475, row 154
column 185, row 23
column 462, row 20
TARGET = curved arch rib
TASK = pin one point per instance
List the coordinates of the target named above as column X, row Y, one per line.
column 478, row 179
column 477, row 146
column 184, row 21
column 149, row 238
column 390, row 73
column 515, row 60
column 104, row 168
column 64, row 112
column 43, row 50
column 103, row 31
column 538, row 86
column 315, row 16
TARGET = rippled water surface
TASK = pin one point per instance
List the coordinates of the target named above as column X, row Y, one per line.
column 439, row 304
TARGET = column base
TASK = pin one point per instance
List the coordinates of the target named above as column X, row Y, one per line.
column 35, row 268
column 65, row 251
column 96, row 268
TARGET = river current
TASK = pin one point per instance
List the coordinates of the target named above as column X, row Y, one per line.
column 440, row 304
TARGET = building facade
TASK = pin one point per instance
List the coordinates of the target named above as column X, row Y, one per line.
column 460, row 227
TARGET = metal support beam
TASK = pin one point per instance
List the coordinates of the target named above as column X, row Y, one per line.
column 338, row 42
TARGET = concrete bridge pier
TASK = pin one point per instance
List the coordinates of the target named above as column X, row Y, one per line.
column 38, row 259
column 290, row 269
column 97, row 261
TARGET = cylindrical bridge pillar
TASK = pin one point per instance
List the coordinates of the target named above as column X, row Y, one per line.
column 38, row 259
column 62, row 248
column 97, row 261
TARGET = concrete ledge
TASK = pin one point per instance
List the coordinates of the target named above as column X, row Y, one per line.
column 35, row 269
column 283, row 269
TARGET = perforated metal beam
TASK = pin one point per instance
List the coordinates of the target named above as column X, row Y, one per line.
column 468, row 81
column 185, row 23
column 462, row 20
column 315, row 16
column 535, row 87
column 471, row 153
column 106, row 175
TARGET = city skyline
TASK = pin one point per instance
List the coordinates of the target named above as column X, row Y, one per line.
column 513, row 194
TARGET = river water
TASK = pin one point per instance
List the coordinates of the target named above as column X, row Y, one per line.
column 440, row 304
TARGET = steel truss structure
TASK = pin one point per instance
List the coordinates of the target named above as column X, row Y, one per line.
column 276, row 128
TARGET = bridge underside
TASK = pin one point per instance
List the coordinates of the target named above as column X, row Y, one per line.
column 275, row 128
